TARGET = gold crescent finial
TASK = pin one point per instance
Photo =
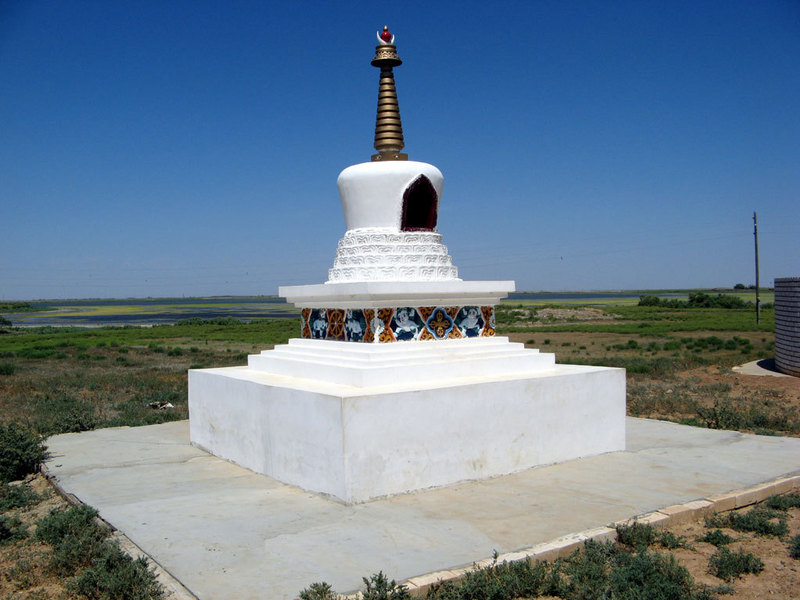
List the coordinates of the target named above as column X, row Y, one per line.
column 388, row 126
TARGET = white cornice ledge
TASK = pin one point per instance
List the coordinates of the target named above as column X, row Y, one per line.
column 384, row 294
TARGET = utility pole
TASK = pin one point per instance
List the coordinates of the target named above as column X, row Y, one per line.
column 755, row 235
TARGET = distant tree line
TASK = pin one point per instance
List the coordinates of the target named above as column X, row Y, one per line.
column 697, row 300
column 15, row 307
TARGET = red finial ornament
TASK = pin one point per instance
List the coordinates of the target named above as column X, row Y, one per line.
column 385, row 35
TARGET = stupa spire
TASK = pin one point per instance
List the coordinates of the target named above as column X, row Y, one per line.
column 388, row 127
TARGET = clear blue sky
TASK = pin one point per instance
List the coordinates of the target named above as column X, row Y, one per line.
column 157, row 148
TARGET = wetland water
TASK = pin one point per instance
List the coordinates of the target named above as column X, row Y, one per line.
column 150, row 311
column 156, row 311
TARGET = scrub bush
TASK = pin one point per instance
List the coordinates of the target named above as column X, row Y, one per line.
column 728, row 565
column 64, row 415
column 8, row 368
column 11, row 530
column 115, row 575
column 101, row 570
column 794, row 547
column 21, row 452
column 378, row 587
column 649, row 575
column 318, row 591
column 16, row 496
column 783, row 502
column 637, row 535
column 716, row 537
column 75, row 536
column 761, row 521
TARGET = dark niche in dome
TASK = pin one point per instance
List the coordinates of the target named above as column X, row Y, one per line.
column 419, row 206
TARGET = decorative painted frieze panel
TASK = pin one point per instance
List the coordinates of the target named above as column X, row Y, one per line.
column 399, row 324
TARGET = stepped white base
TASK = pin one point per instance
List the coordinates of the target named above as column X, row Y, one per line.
column 365, row 365
column 358, row 422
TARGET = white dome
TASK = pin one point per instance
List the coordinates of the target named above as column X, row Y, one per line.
column 391, row 209
column 372, row 193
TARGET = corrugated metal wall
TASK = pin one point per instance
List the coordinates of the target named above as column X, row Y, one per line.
column 787, row 325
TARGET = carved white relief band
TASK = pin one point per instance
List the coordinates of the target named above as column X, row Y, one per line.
column 380, row 255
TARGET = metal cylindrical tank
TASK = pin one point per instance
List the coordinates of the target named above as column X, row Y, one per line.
column 787, row 325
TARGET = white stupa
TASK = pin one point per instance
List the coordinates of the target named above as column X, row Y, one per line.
column 398, row 382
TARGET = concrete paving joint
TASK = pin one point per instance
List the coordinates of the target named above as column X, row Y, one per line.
column 173, row 589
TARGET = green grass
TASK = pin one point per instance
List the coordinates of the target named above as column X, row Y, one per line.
column 76, row 379
column 46, row 342
column 655, row 321
column 766, row 295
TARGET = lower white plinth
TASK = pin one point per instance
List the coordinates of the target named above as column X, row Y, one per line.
column 383, row 429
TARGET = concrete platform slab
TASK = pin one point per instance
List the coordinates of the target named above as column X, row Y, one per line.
column 764, row 367
column 226, row 532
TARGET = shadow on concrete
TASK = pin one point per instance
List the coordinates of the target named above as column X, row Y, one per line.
column 769, row 365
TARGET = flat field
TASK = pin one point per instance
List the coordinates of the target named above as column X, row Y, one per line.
column 679, row 362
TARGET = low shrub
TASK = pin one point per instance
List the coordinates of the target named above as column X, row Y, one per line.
column 598, row 570
column 11, row 530
column 637, row 535
column 722, row 415
column 642, row 535
column 100, row 569
column 729, row 565
column 585, row 570
column 114, row 574
column 499, row 580
column 16, row 496
column 22, row 452
column 648, row 575
column 783, row 502
column 761, row 521
column 64, row 414
column 794, row 547
column 318, row 591
column 716, row 537
column 670, row 541
column 8, row 368
column 75, row 536
column 378, row 587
